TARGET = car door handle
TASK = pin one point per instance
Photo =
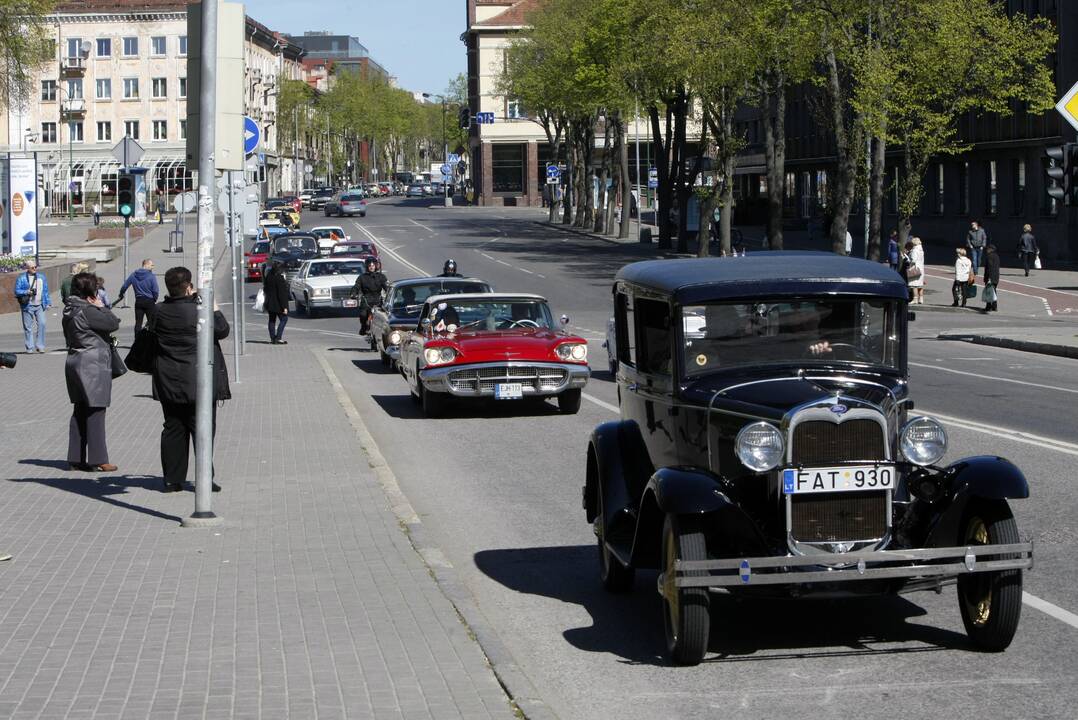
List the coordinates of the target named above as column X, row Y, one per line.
column 633, row 387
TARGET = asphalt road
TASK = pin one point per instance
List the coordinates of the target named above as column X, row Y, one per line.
column 498, row 489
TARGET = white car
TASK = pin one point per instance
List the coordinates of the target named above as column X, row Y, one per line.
column 326, row 239
column 325, row 283
column 271, row 217
column 305, row 196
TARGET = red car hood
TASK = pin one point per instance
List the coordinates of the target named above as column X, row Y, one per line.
column 492, row 345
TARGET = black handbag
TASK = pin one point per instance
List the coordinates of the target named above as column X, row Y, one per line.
column 143, row 353
column 118, row 366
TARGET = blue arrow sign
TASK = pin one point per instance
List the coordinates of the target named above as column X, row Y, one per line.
column 446, row 170
column 553, row 172
column 251, row 135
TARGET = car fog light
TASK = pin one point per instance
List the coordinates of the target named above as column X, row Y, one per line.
column 394, row 338
column 760, row 446
column 923, row 441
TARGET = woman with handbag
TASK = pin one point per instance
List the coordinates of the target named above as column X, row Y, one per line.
column 915, row 273
column 90, row 368
column 991, row 279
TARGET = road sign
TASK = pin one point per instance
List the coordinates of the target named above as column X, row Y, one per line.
column 251, row 135
column 1068, row 106
column 308, row 169
column 453, row 158
column 184, row 202
column 447, row 169
column 653, row 178
column 552, row 172
column 484, row 118
column 128, row 152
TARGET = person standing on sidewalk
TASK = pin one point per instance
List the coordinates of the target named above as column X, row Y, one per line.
column 963, row 274
column 991, row 279
column 97, row 214
column 175, row 323
column 88, row 327
column 976, row 239
column 892, row 250
column 1027, row 248
column 32, row 292
column 146, row 289
column 275, row 290
column 65, row 284
column 916, row 271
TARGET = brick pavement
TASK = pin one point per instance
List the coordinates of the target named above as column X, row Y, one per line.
column 309, row 602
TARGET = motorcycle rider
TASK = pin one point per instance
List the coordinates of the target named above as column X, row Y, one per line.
column 450, row 269
column 369, row 288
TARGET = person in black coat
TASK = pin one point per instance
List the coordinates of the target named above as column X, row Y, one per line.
column 175, row 323
column 369, row 288
column 275, row 289
column 991, row 278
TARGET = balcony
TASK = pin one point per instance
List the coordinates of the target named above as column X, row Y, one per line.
column 73, row 110
column 73, row 67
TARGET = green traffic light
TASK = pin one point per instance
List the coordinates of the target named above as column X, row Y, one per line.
column 125, row 210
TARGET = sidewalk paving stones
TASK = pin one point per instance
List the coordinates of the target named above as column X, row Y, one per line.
column 308, row 602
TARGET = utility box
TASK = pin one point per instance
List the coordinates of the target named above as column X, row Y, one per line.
column 228, row 146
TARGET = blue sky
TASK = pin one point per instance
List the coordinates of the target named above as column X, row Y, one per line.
column 418, row 41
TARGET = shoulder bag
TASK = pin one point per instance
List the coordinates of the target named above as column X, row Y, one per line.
column 143, row 353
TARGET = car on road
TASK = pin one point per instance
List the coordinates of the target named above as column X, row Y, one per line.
column 325, row 283
column 355, row 248
column 492, row 345
column 305, row 196
column 255, row 259
column 292, row 250
column 320, row 197
column 328, row 236
column 283, row 212
column 346, row 203
column 294, row 201
column 277, row 216
column 415, row 190
column 775, row 451
column 404, row 301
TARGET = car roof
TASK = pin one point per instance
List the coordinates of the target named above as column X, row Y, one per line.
column 329, row 259
column 485, row 296
column 764, row 273
column 425, row 280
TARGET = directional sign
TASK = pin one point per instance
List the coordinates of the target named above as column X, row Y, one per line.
column 447, row 169
column 128, row 152
column 1068, row 106
column 552, row 172
column 251, row 135
column 484, row 118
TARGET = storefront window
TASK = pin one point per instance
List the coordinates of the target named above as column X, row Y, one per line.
column 507, row 168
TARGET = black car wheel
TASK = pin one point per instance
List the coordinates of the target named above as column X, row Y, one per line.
column 386, row 360
column 311, row 312
column 569, row 401
column 686, row 610
column 299, row 305
column 433, row 403
column 614, row 576
column 363, row 214
column 991, row 602
column 326, row 211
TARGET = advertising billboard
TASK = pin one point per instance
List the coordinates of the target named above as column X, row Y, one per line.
column 20, row 206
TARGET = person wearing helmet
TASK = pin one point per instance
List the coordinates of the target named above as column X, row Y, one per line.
column 450, row 269
column 369, row 288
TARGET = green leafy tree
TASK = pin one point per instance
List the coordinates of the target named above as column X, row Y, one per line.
column 25, row 44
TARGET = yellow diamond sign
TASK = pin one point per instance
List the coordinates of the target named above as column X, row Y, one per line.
column 1068, row 106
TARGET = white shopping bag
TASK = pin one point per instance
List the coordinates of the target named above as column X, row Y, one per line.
column 260, row 301
column 1037, row 262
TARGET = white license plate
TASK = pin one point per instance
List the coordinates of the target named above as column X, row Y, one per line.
column 508, row 391
column 838, row 479
column 351, row 303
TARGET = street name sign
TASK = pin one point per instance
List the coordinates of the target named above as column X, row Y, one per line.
column 251, row 135
column 128, row 152
column 484, row 118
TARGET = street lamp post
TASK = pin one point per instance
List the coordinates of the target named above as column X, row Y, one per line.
column 445, row 151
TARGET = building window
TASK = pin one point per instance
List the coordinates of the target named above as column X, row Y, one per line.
column 507, row 168
column 104, row 131
column 104, row 47
column 939, row 189
column 74, row 47
column 130, row 88
column 789, row 190
column 821, row 188
column 514, row 110
column 183, row 129
column 74, row 89
column 158, row 45
column 183, row 45
column 160, row 130
column 992, row 189
column 48, row 90
column 160, row 88
column 75, row 130
column 183, row 87
column 131, row 129
column 1018, row 172
column 48, row 132
column 963, row 188
column 130, row 46
column 104, row 89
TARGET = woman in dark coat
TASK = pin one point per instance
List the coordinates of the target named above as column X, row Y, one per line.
column 275, row 289
column 88, row 326
column 991, row 279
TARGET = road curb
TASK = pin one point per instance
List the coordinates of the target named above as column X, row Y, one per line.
column 583, row 233
column 1067, row 351
column 522, row 694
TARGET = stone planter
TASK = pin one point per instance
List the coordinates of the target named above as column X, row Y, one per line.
column 54, row 273
column 113, row 233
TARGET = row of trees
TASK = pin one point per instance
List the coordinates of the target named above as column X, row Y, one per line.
column 884, row 76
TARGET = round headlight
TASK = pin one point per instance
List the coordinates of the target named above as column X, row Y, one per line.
column 394, row 338
column 447, row 354
column 760, row 446
column 923, row 441
column 433, row 356
column 579, row 352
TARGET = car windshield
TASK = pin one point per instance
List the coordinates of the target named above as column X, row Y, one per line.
column 295, row 242
column 407, row 300
column 274, row 202
column 342, row 267
column 260, row 248
column 804, row 332
column 328, row 232
column 493, row 314
column 352, row 249
column 351, row 198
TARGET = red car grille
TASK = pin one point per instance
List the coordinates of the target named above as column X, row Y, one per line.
column 538, row 378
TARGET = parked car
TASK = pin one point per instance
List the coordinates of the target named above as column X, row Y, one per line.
column 415, row 190
column 292, row 250
column 775, row 452
column 358, row 248
column 325, row 283
column 404, row 300
column 492, row 345
column 255, row 259
column 321, row 197
column 346, row 203
column 328, row 236
column 385, row 188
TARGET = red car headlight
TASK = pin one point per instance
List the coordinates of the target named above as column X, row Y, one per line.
column 439, row 356
column 572, row 352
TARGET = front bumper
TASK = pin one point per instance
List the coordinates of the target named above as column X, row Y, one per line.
column 331, row 302
column 915, row 564
column 570, row 376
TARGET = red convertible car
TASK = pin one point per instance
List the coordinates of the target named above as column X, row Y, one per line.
column 492, row 345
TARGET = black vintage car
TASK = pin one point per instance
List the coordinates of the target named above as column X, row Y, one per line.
column 772, row 449
column 291, row 249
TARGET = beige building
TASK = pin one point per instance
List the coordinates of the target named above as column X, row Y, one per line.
column 120, row 68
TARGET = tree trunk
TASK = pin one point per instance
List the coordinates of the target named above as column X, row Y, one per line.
column 626, row 189
column 570, row 186
column 554, row 188
column 879, row 170
column 846, row 151
column 775, row 155
column 604, row 177
column 681, row 184
column 664, row 194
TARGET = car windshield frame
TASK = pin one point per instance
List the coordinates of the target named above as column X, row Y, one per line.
column 789, row 331
column 399, row 307
column 486, row 314
column 335, row 268
column 295, row 241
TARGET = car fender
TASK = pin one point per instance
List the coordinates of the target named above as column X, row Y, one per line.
column 615, row 467
column 983, row 476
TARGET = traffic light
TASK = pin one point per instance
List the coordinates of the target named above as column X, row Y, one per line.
column 125, row 194
column 465, row 118
column 1063, row 169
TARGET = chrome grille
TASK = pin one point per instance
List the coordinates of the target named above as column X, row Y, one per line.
column 537, row 378
column 342, row 293
column 839, row 517
column 819, row 442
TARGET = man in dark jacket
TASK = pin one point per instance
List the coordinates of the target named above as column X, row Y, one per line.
column 991, row 278
column 369, row 288
column 1027, row 248
column 976, row 239
column 146, row 290
column 275, row 290
column 175, row 323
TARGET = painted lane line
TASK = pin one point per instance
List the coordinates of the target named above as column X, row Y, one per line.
column 503, row 262
column 1049, row 609
column 1040, row 441
column 392, row 253
column 488, row 257
column 541, row 275
column 601, row 403
column 980, row 376
column 416, row 222
column 524, row 270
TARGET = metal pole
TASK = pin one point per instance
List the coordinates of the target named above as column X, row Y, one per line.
column 127, row 243
column 235, row 286
column 203, row 514
column 70, row 163
column 639, row 185
column 445, row 160
column 868, row 189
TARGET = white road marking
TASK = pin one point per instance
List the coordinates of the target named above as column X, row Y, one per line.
column 392, row 253
column 524, row 270
column 1053, row 388
column 503, row 262
column 541, row 275
column 488, row 257
column 416, row 222
column 601, row 403
column 1047, row 307
column 1040, row 441
column 1049, row 609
